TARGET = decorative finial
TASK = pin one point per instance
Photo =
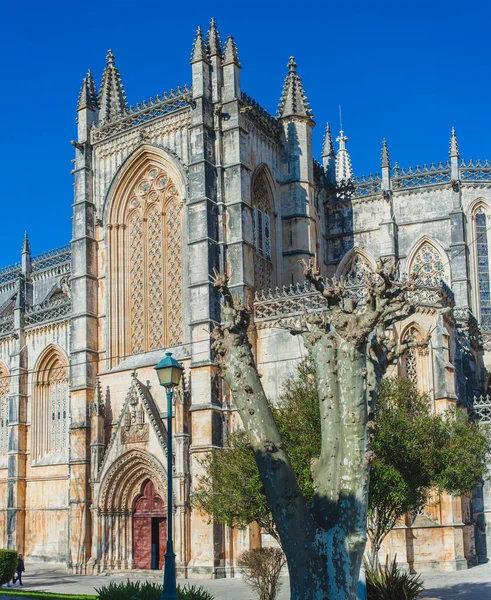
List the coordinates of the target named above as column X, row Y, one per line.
column 199, row 49
column 385, row 159
column 26, row 246
column 214, row 43
column 231, row 54
column 454, row 145
column 112, row 99
column 88, row 93
column 344, row 170
column 293, row 101
column 328, row 146
column 110, row 58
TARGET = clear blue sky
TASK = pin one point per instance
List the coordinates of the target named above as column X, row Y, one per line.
column 406, row 71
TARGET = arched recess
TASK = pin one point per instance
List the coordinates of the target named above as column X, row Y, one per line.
column 264, row 224
column 354, row 267
column 429, row 261
column 480, row 223
column 414, row 364
column 354, row 262
column 145, row 221
column 124, row 484
column 50, row 405
column 4, row 408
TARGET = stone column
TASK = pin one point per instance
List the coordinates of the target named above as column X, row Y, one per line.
column 83, row 341
column 17, row 429
column 103, row 560
column 204, row 307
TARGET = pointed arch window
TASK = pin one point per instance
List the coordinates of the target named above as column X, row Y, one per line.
column 428, row 265
column 481, row 224
column 50, row 408
column 262, row 233
column 355, row 274
column 147, row 281
column 4, row 409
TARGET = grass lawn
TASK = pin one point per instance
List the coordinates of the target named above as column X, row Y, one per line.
column 25, row 593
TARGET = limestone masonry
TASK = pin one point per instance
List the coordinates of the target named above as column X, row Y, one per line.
column 198, row 178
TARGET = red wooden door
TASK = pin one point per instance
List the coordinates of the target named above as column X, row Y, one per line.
column 148, row 507
column 142, row 542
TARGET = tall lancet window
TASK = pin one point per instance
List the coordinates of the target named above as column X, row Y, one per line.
column 262, row 227
column 482, row 250
column 4, row 409
column 145, row 264
column 50, row 407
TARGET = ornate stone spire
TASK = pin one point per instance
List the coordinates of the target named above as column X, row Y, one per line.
column 328, row 146
column 88, row 93
column 199, row 47
column 454, row 145
column 231, row 54
column 344, row 170
column 26, row 246
column 385, row 158
column 214, row 43
column 112, row 99
column 293, row 100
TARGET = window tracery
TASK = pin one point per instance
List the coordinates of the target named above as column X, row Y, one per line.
column 262, row 234
column 355, row 275
column 428, row 265
column 411, row 355
column 50, row 407
column 482, row 251
column 4, row 409
column 153, row 299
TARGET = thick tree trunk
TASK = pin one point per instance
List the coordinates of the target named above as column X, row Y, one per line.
column 323, row 544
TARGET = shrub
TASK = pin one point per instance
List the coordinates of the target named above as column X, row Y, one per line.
column 193, row 592
column 388, row 582
column 261, row 569
column 134, row 590
column 8, row 565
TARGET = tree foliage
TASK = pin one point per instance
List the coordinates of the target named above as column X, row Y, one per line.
column 414, row 452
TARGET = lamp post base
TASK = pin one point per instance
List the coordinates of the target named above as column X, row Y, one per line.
column 170, row 583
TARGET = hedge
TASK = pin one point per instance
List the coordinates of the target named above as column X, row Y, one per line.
column 8, row 565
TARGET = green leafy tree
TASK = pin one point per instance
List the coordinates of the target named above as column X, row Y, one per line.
column 414, row 452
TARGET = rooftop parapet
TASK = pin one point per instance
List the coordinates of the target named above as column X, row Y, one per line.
column 261, row 116
column 52, row 258
column 143, row 112
column 291, row 302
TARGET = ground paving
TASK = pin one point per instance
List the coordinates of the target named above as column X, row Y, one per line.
column 473, row 584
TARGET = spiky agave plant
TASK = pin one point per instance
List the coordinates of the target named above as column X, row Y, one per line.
column 389, row 582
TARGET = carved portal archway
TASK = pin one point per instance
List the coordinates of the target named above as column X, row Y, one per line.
column 124, row 495
column 149, row 529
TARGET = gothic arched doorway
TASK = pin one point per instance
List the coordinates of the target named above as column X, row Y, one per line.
column 149, row 529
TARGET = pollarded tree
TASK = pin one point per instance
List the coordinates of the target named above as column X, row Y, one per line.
column 323, row 543
column 416, row 452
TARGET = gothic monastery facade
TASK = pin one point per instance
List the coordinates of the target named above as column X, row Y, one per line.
column 204, row 178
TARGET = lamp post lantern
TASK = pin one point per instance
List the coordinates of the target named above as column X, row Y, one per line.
column 169, row 372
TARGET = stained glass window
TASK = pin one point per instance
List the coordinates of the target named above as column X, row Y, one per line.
column 355, row 275
column 483, row 268
column 50, row 407
column 155, row 265
column 428, row 265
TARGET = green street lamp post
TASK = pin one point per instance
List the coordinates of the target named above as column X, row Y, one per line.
column 169, row 372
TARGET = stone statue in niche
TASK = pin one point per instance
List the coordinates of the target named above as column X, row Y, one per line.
column 134, row 428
